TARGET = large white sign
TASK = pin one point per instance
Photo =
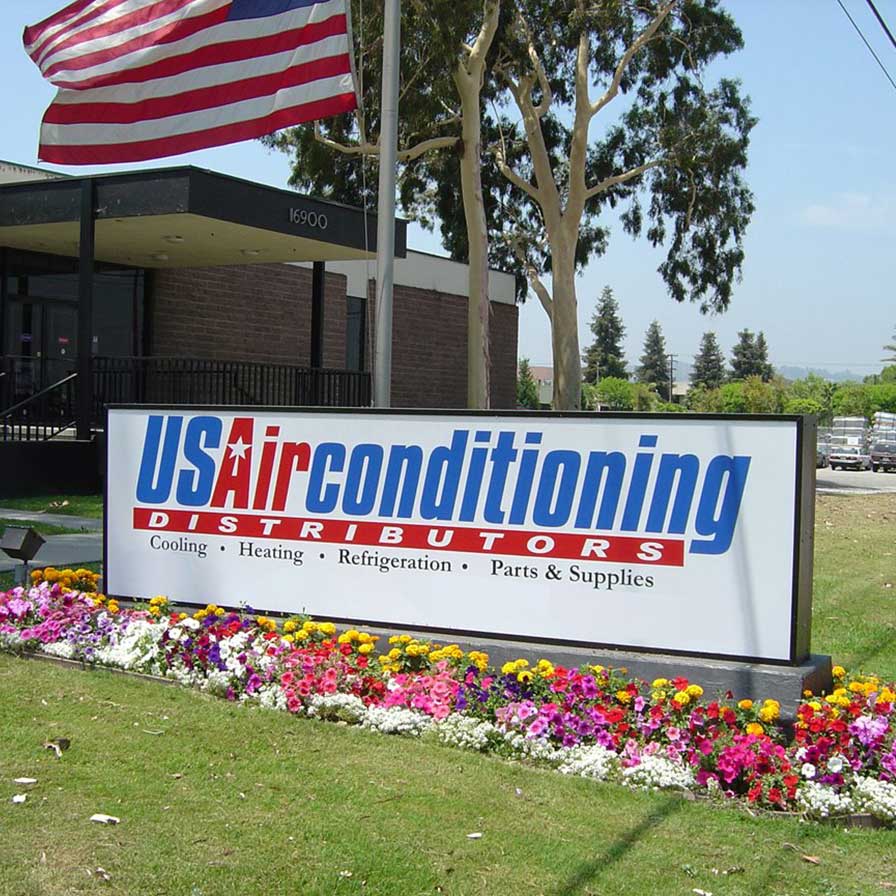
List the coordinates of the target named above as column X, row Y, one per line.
column 662, row 533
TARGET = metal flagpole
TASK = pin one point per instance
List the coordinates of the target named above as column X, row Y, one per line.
column 385, row 233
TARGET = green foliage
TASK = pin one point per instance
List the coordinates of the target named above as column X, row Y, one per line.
column 816, row 390
column 749, row 357
column 654, row 367
column 615, row 394
column 761, row 397
column 732, row 399
column 704, row 401
column 887, row 375
column 882, row 398
column 803, row 406
column 891, row 347
column 851, row 400
column 604, row 357
column 709, row 364
column 526, row 387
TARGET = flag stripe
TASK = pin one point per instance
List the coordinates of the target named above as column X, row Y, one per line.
column 197, row 100
column 58, row 21
column 140, row 151
column 204, row 76
column 101, row 18
column 237, row 40
column 154, row 17
column 142, row 79
column 145, row 39
column 201, row 120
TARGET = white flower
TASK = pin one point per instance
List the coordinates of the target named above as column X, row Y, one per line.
column 174, row 634
column 835, row 764
column 821, row 801
column 808, row 771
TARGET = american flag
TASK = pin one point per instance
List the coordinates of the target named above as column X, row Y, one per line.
column 143, row 79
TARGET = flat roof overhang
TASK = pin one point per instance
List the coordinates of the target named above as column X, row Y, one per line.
column 187, row 217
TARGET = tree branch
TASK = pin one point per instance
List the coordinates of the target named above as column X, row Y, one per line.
column 616, row 179
column 643, row 38
column 373, row 149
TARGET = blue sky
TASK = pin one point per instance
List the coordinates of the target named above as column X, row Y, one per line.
column 821, row 250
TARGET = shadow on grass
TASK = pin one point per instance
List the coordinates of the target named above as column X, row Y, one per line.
column 590, row 871
column 872, row 647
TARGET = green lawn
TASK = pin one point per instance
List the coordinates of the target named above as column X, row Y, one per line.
column 221, row 799
column 40, row 526
column 70, row 505
column 854, row 605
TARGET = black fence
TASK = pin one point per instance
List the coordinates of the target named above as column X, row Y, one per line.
column 41, row 416
column 48, row 412
column 194, row 381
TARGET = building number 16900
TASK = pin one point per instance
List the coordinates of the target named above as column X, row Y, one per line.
column 311, row 219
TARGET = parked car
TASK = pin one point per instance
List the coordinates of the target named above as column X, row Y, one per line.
column 883, row 456
column 821, row 455
column 849, row 457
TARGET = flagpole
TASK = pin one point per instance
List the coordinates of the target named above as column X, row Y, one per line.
column 385, row 234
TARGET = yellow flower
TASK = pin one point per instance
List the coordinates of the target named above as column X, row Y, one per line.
column 769, row 713
column 623, row 697
column 838, row 672
column 393, row 639
column 327, row 628
column 755, row 728
column 405, row 639
column 545, row 668
column 394, row 653
column 365, row 648
column 363, row 637
column 301, row 635
column 181, row 615
column 682, row 698
column 524, row 677
column 815, row 705
column 886, row 696
column 112, row 606
column 508, row 668
column 597, row 670
column 745, row 705
column 695, row 690
column 658, row 696
column 310, row 627
column 219, row 611
column 660, row 683
column 290, row 639
column 290, row 626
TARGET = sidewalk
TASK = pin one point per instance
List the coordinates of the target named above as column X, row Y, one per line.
column 91, row 524
column 59, row 550
column 63, row 550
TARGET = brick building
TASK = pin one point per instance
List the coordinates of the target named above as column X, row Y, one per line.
column 194, row 287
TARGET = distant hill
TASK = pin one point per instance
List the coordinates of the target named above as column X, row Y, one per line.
column 800, row 373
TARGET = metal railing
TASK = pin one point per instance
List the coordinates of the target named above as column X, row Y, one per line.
column 51, row 411
column 196, row 381
column 43, row 415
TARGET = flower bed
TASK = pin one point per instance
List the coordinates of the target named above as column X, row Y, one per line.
column 592, row 722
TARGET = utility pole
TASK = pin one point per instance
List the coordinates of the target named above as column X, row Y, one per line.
column 671, row 359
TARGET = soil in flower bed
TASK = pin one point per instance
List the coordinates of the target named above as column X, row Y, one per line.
column 216, row 799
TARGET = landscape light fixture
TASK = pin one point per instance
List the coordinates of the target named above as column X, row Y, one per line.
column 21, row 543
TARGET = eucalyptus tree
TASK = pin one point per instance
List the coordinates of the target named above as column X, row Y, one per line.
column 672, row 158
column 443, row 93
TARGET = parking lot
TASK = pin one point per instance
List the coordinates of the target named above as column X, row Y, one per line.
column 854, row 481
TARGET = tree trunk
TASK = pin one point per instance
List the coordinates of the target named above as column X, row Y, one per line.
column 478, row 359
column 565, row 330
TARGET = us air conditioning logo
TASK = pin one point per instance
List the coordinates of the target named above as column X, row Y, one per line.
column 488, row 490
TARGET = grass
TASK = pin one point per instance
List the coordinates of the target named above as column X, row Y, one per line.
column 68, row 505
column 854, row 604
column 40, row 526
column 217, row 799
column 222, row 800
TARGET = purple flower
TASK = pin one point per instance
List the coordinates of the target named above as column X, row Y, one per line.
column 869, row 729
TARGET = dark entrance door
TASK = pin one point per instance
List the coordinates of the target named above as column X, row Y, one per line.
column 41, row 344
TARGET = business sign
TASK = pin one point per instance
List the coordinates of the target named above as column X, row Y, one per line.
column 664, row 533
